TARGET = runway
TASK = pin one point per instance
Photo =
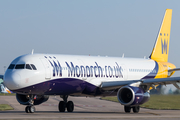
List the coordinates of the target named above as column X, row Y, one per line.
column 85, row 109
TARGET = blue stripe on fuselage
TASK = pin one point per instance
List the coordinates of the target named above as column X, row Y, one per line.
column 60, row 86
column 153, row 73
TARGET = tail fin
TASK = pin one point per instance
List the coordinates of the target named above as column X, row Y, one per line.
column 161, row 49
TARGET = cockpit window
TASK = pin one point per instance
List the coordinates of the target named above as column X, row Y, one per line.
column 11, row 66
column 20, row 66
column 28, row 67
column 23, row 66
column 33, row 66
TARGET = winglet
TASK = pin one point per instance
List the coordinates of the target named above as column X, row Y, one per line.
column 161, row 49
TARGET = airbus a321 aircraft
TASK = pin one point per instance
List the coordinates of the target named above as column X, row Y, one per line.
column 33, row 77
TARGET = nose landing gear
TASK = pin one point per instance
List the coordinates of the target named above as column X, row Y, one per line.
column 64, row 104
column 30, row 108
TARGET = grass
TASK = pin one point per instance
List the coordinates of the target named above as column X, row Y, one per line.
column 114, row 99
column 167, row 102
column 160, row 102
column 7, row 94
column 4, row 107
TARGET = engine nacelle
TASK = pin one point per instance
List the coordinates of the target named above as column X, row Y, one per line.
column 130, row 96
column 24, row 99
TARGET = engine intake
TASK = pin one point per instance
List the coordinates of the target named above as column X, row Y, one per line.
column 24, row 99
column 129, row 96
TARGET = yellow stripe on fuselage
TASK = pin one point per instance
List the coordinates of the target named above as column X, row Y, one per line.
column 163, row 68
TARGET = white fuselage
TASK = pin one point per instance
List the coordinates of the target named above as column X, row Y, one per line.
column 54, row 71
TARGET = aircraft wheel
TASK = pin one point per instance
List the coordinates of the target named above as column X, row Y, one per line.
column 62, row 106
column 70, row 106
column 31, row 109
column 127, row 109
column 136, row 109
column 27, row 109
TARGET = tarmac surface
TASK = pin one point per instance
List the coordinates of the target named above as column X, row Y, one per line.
column 84, row 109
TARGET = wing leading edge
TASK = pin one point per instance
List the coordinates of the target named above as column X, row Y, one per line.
column 150, row 82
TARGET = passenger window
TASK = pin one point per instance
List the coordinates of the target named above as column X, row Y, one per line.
column 11, row 66
column 20, row 66
column 34, row 68
column 28, row 67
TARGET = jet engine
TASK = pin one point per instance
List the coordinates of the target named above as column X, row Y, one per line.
column 38, row 99
column 132, row 96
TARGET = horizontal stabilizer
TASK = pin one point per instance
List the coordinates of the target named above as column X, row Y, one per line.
column 173, row 70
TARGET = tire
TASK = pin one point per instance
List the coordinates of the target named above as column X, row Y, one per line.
column 62, row 106
column 31, row 109
column 70, row 106
column 136, row 109
column 127, row 109
column 27, row 109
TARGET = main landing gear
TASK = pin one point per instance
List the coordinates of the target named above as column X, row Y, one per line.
column 64, row 104
column 127, row 109
column 30, row 108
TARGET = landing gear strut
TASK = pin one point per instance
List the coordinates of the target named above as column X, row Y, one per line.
column 64, row 104
column 30, row 108
column 127, row 109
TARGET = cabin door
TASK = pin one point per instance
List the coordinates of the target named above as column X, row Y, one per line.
column 46, row 68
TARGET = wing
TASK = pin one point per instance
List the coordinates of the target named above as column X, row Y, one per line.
column 116, row 84
column 150, row 82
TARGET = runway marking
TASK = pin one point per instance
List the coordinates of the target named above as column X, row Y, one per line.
column 152, row 113
column 49, row 104
column 90, row 106
column 99, row 106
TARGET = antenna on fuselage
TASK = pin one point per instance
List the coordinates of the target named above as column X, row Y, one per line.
column 123, row 55
column 32, row 51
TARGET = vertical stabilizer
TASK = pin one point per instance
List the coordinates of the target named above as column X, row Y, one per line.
column 161, row 49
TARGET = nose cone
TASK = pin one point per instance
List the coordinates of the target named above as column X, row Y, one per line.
column 12, row 80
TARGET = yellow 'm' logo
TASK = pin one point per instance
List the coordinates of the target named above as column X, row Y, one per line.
column 164, row 46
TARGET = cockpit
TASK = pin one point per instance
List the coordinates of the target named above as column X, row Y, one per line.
column 22, row 66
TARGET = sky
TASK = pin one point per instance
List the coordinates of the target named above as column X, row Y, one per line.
column 85, row 27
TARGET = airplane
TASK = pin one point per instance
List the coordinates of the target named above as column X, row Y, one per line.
column 1, row 76
column 4, row 89
column 34, row 77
